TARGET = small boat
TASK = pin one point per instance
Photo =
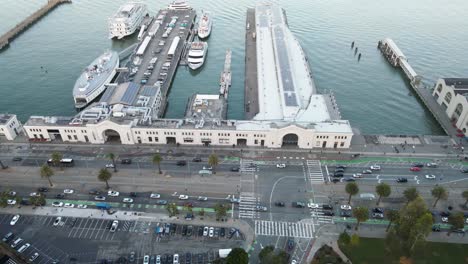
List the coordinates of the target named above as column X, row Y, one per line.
column 204, row 26
column 197, row 54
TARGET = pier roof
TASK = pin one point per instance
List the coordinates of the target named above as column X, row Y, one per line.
column 457, row 82
column 286, row 89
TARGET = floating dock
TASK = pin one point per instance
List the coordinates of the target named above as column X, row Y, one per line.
column 6, row 38
column 251, row 107
column 225, row 79
column 396, row 58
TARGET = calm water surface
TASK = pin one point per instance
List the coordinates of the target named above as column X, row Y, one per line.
column 372, row 94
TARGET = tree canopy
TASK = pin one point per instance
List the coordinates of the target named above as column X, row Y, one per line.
column 383, row 190
column 237, row 256
column 352, row 189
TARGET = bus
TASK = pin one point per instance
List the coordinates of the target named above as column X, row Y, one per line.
column 63, row 162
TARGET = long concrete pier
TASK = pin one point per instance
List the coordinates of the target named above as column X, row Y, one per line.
column 6, row 38
column 396, row 57
column 251, row 87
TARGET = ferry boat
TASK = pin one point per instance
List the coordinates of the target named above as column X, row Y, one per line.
column 179, row 5
column 196, row 54
column 204, row 26
column 127, row 19
column 92, row 82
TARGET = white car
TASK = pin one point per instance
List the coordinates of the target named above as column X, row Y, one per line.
column 202, row 198
column 444, row 219
column 146, row 259
column 211, row 234
column 68, row 191
column 346, row 207
column 357, row 175
column 24, row 247
column 34, row 194
column 11, row 202
column 113, row 193
column 110, row 166
column 100, row 198
column 155, row 195
column 176, row 259
column 183, row 197
column 34, row 257
column 14, row 220
column 205, row 231
column 57, row 221
column 430, row 177
column 127, row 200
column 57, row 204
column 313, row 206
column 12, row 193
column 114, row 226
column 69, row 205
column 281, row 166
column 82, row 206
column 375, row 167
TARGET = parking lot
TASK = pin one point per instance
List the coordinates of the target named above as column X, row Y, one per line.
column 75, row 239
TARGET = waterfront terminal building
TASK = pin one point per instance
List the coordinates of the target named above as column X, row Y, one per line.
column 291, row 112
column 451, row 94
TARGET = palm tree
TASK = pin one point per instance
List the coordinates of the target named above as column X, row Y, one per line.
column 456, row 221
column 465, row 195
column 157, row 160
column 47, row 172
column 361, row 214
column 392, row 216
column 352, row 189
column 410, row 194
column 111, row 156
column 439, row 192
column 383, row 190
column 104, row 176
column 56, row 157
column 213, row 161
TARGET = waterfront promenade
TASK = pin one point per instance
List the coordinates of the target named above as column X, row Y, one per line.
column 6, row 38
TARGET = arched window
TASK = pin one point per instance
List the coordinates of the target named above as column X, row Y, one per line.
column 459, row 109
column 448, row 97
column 439, row 88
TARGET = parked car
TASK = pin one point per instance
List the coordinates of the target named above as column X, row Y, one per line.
column 8, row 237
column 346, row 207
column 377, row 215
column 82, row 206
column 378, row 210
column 99, row 198
column 68, row 205
column 14, row 220
column 211, row 232
column 113, row 193
column 114, row 226
column 11, row 202
column 279, row 204
column 94, row 192
column 161, row 202
column 202, row 198
column 205, row 231
column 155, row 195
column 34, row 257
column 464, row 170
column 42, row 189
column 57, row 221
column 17, row 159
column 345, row 213
column 127, row 200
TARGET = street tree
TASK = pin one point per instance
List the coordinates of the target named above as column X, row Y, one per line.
column 157, row 160
column 392, row 216
column 465, row 196
column 237, row 256
column 111, row 156
column 352, row 189
column 213, row 161
column 220, row 210
column 439, row 192
column 46, row 172
column 265, row 252
column 201, row 212
column 383, row 190
column 172, row 209
column 37, row 200
column 104, row 176
column 361, row 214
column 3, row 201
column 56, row 157
column 456, row 221
column 410, row 194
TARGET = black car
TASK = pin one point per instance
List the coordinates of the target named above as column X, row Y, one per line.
column 94, row 192
column 328, row 213
column 298, row 204
column 222, row 232
column 126, row 161
column 279, row 204
column 200, row 231
column 133, row 194
column 436, row 228
column 339, row 170
column 42, row 189
column 402, row 180
column 445, row 214
column 349, row 179
column 188, row 258
column 419, row 165
column 335, row 180
column 60, row 196
column 290, row 244
column 196, row 159
column 464, row 170
column 181, row 163
column 327, row 207
column 235, row 169
column 164, row 258
column 346, row 213
column 184, row 230
column 161, row 202
column 340, row 167
column 189, row 230
column 378, row 210
column 338, row 174
column 200, row 258
column 17, row 159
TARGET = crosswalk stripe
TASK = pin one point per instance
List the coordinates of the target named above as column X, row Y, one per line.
column 286, row 229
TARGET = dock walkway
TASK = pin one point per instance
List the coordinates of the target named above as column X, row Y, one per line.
column 251, row 86
column 6, row 38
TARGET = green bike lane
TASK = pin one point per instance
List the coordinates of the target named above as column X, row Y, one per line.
column 352, row 220
column 392, row 159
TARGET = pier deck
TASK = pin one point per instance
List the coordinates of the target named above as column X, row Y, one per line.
column 225, row 79
column 158, row 47
column 251, row 85
column 6, row 38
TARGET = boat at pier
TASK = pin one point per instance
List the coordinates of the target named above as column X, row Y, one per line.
column 204, row 26
column 225, row 79
column 197, row 54
column 179, row 5
column 127, row 19
column 92, row 82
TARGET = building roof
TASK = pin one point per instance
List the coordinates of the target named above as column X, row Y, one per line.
column 285, row 84
column 4, row 118
column 457, row 82
column 206, row 106
column 124, row 93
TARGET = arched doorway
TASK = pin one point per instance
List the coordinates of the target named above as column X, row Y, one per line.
column 290, row 140
column 112, row 136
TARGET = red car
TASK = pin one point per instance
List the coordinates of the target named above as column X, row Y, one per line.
column 415, row 169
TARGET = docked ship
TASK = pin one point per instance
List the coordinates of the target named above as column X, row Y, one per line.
column 197, row 54
column 92, row 82
column 127, row 19
column 179, row 5
column 204, row 26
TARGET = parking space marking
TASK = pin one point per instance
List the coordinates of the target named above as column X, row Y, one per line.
column 100, row 228
column 84, row 227
column 90, row 228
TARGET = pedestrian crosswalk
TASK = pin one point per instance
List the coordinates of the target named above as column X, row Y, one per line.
column 320, row 218
column 126, row 225
column 248, row 166
column 286, row 229
column 247, row 205
column 315, row 171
